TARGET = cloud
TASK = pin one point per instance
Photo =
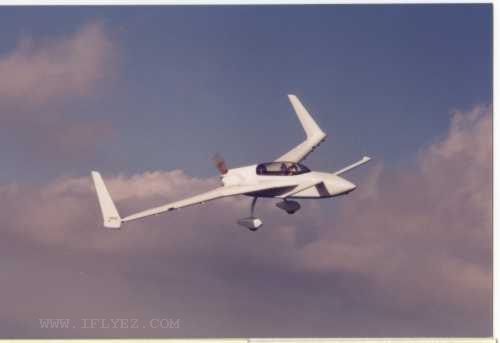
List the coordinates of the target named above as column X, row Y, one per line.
column 41, row 83
column 422, row 227
column 37, row 72
column 407, row 254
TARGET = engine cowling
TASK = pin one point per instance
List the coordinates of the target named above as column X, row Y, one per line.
column 289, row 206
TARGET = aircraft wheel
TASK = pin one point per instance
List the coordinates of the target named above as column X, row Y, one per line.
column 251, row 223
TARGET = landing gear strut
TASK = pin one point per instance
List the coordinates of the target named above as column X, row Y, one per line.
column 251, row 223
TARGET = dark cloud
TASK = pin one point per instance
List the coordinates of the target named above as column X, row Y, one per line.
column 407, row 254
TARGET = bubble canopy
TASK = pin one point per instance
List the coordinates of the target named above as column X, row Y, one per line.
column 281, row 168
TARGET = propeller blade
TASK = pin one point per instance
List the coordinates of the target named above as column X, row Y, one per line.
column 220, row 164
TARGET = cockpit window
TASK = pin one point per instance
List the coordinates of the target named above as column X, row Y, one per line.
column 281, row 168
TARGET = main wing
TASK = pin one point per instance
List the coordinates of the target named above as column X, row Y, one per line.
column 112, row 219
column 217, row 193
column 314, row 134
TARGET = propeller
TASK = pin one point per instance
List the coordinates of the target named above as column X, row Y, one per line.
column 219, row 163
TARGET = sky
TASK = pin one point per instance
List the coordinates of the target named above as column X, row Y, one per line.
column 147, row 95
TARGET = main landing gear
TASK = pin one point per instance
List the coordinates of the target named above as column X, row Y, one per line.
column 289, row 206
column 251, row 223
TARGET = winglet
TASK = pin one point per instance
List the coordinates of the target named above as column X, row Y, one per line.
column 314, row 135
column 110, row 216
column 310, row 127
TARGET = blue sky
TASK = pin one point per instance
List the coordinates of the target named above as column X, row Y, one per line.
column 381, row 80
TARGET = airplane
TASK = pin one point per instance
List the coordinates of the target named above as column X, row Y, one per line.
column 285, row 178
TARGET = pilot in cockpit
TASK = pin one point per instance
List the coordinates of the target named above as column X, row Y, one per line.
column 284, row 169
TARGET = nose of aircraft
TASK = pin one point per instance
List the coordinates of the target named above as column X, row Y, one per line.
column 343, row 186
column 348, row 186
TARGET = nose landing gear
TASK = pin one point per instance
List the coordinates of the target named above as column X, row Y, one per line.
column 251, row 223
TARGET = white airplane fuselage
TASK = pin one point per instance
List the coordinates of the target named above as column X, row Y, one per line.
column 330, row 185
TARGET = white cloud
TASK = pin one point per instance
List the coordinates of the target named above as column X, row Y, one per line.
column 415, row 243
column 36, row 73
column 37, row 80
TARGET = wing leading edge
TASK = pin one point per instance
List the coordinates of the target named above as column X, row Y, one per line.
column 314, row 134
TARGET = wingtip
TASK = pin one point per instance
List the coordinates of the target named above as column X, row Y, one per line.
column 112, row 223
column 110, row 216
